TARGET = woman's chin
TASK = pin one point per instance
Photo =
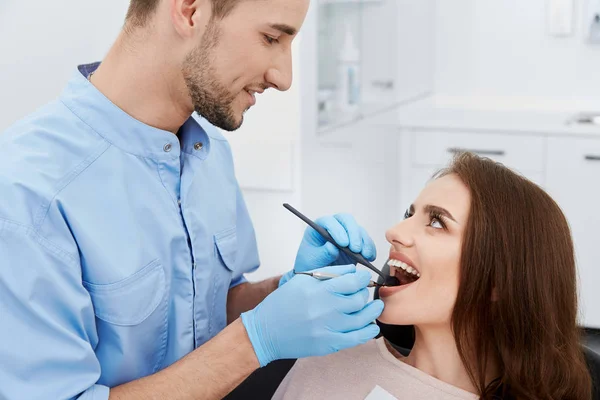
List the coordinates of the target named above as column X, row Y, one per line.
column 391, row 317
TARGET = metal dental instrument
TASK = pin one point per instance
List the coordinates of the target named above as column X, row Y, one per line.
column 322, row 276
column 358, row 258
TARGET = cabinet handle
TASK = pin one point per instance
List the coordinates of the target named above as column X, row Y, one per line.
column 590, row 157
column 455, row 150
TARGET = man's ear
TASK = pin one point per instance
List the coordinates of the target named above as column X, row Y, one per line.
column 190, row 17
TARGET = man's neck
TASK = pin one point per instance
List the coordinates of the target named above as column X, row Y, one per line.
column 142, row 81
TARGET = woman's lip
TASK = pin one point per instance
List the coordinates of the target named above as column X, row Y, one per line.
column 396, row 255
column 386, row 291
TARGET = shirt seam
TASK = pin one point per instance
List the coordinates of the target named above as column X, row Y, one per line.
column 103, row 137
column 68, row 179
column 40, row 239
column 84, row 121
column 173, row 199
column 194, row 155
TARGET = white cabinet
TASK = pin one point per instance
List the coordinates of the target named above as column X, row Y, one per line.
column 360, row 49
column 572, row 179
column 430, row 151
column 523, row 153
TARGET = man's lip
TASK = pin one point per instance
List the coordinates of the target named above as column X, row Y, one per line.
column 259, row 90
column 252, row 97
column 396, row 255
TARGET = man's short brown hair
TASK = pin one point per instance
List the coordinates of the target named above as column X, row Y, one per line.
column 141, row 10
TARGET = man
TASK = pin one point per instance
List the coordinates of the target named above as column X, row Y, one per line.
column 123, row 234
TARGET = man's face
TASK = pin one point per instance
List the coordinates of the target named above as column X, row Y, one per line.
column 245, row 53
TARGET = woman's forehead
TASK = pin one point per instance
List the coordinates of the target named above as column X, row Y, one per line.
column 448, row 192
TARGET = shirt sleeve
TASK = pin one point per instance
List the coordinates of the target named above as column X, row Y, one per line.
column 247, row 252
column 48, row 332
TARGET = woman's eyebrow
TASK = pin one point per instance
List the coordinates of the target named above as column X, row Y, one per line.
column 438, row 210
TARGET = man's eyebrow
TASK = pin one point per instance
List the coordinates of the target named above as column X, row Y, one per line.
column 289, row 30
column 439, row 210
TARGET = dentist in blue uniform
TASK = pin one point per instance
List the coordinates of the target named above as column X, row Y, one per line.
column 124, row 238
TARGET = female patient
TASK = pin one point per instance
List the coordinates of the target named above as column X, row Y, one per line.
column 489, row 283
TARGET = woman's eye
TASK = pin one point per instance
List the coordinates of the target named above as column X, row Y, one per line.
column 407, row 214
column 436, row 223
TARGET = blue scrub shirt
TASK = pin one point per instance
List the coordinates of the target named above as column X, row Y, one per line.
column 118, row 245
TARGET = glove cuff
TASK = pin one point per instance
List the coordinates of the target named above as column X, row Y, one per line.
column 260, row 343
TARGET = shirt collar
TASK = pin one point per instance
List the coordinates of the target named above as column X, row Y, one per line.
column 124, row 131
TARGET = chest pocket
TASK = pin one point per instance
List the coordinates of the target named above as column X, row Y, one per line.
column 131, row 320
column 225, row 256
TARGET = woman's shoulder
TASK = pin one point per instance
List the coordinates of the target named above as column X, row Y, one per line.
column 354, row 373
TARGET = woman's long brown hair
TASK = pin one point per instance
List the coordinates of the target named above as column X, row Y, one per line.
column 517, row 300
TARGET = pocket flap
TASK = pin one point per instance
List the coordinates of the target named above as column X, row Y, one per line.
column 226, row 243
column 131, row 300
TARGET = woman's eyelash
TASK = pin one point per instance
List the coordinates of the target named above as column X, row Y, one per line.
column 434, row 215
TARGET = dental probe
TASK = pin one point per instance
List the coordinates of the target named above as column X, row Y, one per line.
column 358, row 258
column 322, row 276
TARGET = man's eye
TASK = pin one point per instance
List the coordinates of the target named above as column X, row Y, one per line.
column 270, row 40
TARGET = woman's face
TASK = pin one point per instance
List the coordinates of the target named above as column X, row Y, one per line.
column 427, row 244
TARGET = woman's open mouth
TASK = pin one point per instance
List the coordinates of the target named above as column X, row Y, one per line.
column 404, row 272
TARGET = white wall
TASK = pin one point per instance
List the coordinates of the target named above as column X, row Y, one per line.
column 266, row 151
column 41, row 44
column 501, row 48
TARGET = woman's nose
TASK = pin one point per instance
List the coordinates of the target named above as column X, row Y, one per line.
column 400, row 235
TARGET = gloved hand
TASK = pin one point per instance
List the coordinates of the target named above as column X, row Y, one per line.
column 308, row 317
column 315, row 252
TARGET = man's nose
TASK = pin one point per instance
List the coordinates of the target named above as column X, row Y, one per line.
column 279, row 76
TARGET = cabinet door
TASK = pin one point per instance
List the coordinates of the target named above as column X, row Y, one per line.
column 522, row 153
column 418, row 178
column 572, row 178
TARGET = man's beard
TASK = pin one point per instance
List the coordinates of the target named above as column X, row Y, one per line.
column 210, row 98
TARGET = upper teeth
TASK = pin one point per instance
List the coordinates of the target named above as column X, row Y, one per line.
column 404, row 266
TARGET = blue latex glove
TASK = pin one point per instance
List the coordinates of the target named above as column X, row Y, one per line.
column 315, row 252
column 308, row 317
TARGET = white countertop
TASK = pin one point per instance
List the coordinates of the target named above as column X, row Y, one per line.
column 541, row 116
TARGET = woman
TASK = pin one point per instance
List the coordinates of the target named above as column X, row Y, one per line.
column 487, row 267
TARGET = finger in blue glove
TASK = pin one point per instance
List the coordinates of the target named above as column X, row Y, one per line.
column 308, row 317
column 315, row 252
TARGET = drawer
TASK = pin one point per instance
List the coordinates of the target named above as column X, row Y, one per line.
column 524, row 153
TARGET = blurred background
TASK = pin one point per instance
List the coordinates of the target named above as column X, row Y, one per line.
column 385, row 91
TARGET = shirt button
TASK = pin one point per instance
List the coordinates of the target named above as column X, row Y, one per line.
column 179, row 202
column 167, row 147
column 198, row 146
